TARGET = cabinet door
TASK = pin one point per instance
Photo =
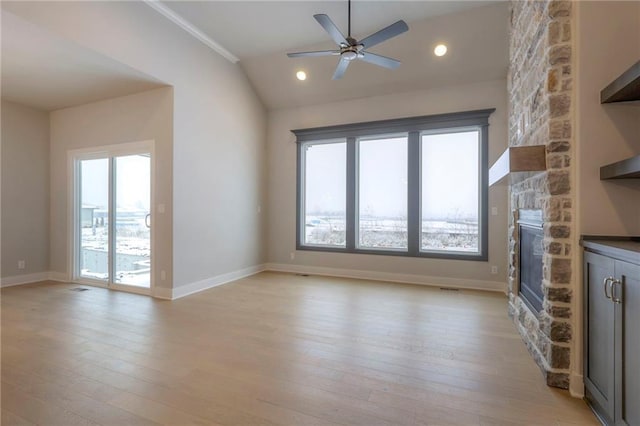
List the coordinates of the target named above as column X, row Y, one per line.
column 628, row 349
column 599, row 335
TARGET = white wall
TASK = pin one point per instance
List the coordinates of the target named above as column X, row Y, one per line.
column 134, row 118
column 281, row 154
column 219, row 129
column 25, row 190
column 608, row 43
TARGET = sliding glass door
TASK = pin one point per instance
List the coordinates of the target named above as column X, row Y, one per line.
column 93, row 219
column 132, row 227
column 112, row 220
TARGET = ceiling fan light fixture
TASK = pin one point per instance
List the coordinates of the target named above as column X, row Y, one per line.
column 301, row 75
column 349, row 55
column 440, row 50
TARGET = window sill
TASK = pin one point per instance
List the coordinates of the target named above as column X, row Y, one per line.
column 420, row 254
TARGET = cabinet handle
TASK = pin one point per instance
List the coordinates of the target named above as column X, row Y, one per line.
column 615, row 299
column 605, row 282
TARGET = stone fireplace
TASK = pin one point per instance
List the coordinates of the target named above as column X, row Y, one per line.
column 540, row 106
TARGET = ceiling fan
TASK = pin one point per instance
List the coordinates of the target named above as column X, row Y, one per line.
column 352, row 49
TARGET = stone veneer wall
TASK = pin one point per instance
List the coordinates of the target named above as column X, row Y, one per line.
column 540, row 105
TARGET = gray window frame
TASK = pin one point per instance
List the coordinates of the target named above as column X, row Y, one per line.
column 413, row 127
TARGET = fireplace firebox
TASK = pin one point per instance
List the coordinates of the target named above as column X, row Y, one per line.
column 530, row 258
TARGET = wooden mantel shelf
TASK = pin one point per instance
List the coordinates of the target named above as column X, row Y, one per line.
column 518, row 159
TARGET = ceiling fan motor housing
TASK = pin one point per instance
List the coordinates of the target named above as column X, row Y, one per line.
column 352, row 50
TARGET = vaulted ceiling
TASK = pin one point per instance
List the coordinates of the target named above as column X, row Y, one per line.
column 49, row 72
column 260, row 33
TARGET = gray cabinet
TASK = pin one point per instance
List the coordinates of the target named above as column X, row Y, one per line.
column 612, row 330
column 628, row 357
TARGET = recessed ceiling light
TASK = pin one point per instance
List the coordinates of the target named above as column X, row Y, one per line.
column 440, row 50
column 301, row 75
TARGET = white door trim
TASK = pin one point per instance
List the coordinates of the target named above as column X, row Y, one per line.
column 106, row 151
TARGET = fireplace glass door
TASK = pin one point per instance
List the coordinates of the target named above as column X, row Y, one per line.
column 531, row 266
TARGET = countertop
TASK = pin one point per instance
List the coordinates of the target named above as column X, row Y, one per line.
column 623, row 248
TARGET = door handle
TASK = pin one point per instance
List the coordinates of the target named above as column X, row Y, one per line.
column 605, row 282
column 147, row 220
column 615, row 299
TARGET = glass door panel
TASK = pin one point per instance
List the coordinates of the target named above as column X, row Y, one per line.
column 132, row 220
column 112, row 216
column 94, row 219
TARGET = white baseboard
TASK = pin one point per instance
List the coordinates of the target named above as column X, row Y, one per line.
column 208, row 283
column 24, row 279
column 162, row 293
column 185, row 290
column 59, row 276
column 387, row 276
column 576, row 385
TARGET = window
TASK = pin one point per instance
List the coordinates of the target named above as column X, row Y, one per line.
column 325, row 182
column 382, row 193
column 450, row 192
column 407, row 187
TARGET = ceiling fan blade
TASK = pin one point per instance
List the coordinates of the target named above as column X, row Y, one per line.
column 380, row 60
column 316, row 53
column 331, row 28
column 340, row 69
column 385, row 34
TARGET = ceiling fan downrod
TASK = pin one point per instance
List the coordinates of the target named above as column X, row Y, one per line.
column 349, row 21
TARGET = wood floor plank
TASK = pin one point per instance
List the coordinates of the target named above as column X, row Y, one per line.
column 9, row 419
column 271, row 349
column 67, row 398
column 37, row 411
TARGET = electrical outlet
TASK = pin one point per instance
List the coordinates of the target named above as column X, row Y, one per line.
column 292, row 255
column 22, row 264
column 494, row 211
column 494, row 269
column 259, row 209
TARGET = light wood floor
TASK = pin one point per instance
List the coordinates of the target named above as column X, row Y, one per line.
column 271, row 349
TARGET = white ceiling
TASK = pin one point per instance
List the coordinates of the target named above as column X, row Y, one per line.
column 252, row 28
column 260, row 33
column 47, row 72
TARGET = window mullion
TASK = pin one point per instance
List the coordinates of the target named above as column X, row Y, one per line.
column 300, row 188
column 351, row 194
column 413, row 193
column 483, row 190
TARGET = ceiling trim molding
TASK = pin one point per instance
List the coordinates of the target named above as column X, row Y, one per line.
column 191, row 29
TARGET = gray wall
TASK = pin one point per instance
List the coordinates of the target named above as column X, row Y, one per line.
column 608, row 43
column 218, row 136
column 25, row 189
column 282, row 182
